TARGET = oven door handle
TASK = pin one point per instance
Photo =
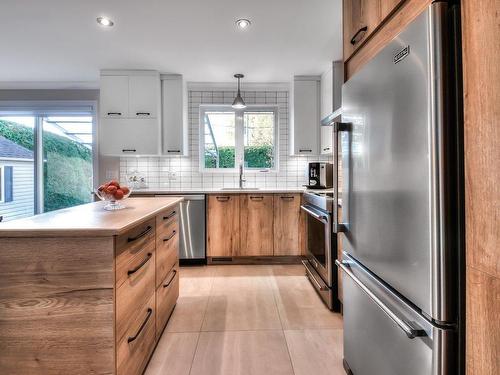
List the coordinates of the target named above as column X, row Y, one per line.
column 318, row 216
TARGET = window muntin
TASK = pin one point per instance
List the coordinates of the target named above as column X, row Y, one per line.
column 230, row 136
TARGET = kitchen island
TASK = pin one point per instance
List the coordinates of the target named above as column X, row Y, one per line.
column 87, row 291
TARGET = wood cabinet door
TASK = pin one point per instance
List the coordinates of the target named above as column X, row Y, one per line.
column 361, row 18
column 387, row 7
column 223, row 229
column 256, row 225
column 286, row 224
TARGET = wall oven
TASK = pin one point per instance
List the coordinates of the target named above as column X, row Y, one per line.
column 321, row 246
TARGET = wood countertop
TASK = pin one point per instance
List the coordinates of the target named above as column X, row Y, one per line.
column 88, row 219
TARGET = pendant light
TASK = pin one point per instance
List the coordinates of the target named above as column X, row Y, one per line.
column 238, row 102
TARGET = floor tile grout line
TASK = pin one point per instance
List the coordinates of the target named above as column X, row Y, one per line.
column 202, row 320
column 275, row 291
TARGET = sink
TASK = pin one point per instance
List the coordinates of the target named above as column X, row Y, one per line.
column 236, row 188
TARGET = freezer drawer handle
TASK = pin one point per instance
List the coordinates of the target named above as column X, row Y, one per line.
column 407, row 327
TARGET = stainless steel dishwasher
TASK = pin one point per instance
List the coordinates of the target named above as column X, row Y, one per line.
column 192, row 228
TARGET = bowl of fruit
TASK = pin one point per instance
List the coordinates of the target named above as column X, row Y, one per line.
column 114, row 193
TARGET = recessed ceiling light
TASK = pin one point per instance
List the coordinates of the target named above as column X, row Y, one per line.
column 105, row 21
column 243, row 23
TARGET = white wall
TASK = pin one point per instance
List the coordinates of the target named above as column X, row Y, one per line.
column 23, row 204
column 291, row 172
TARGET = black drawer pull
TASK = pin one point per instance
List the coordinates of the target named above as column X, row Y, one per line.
column 223, row 199
column 355, row 39
column 174, row 272
column 114, row 113
column 305, row 150
column 170, row 215
column 256, row 198
column 287, row 198
column 143, row 114
column 142, row 234
column 170, row 237
column 326, row 148
column 129, row 150
column 131, row 272
column 174, row 151
column 132, row 338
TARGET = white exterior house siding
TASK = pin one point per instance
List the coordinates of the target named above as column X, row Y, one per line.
column 23, row 203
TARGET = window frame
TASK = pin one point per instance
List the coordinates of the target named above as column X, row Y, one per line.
column 39, row 109
column 239, row 136
column 2, row 184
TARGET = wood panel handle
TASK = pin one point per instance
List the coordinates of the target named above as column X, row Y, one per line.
column 287, row 198
column 174, row 272
column 170, row 215
column 142, row 234
column 223, row 199
column 362, row 31
column 134, row 270
column 170, row 237
column 132, row 338
column 256, row 198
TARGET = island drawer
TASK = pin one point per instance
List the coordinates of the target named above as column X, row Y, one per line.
column 136, row 345
column 133, row 293
column 130, row 242
column 167, row 250
column 166, row 218
column 166, row 297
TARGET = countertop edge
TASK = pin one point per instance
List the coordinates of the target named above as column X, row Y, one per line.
column 82, row 231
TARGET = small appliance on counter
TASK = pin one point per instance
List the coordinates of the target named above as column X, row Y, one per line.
column 320, row 175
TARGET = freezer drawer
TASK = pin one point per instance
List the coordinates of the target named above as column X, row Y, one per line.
column 374, row 344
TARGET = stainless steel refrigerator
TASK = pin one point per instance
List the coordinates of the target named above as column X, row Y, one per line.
column 400, row 142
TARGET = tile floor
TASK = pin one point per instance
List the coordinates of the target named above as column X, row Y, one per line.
column 249, row 320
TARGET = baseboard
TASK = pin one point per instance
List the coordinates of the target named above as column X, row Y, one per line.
column 255, row 260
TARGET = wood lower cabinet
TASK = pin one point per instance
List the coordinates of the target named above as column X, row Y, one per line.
column 287, row 224
column 223, row 225
column 256, row 225
column 85, row 301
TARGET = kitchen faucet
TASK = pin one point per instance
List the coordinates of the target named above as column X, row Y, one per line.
column 242, row 180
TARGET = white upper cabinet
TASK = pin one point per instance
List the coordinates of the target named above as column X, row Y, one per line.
column 114, row 96
column 326, row 140
column 144, row 96
column 130, row 113
column 327, row 93
column 174, row 115
column 305, row 124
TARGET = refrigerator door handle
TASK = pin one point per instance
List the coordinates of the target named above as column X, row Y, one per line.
column 337, row 128
column 407, row 327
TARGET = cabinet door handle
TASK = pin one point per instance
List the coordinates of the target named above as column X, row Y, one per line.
column 143, row 114
column 174, row 151
column 223, row 199
column 132, row 338
column 142, row 234
column 114, row 113
column 170, row 215
column 148, row 257
column 174, row 272
column 326, row 148
column 256, row 198
column 129, row 150
column 170, row 237
column 355, row 38
column 286, row 198
column 305, row 150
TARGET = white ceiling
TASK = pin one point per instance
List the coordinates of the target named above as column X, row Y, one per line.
column 59, row 40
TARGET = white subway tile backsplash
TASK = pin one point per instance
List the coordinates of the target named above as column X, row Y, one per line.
column 184, row 172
